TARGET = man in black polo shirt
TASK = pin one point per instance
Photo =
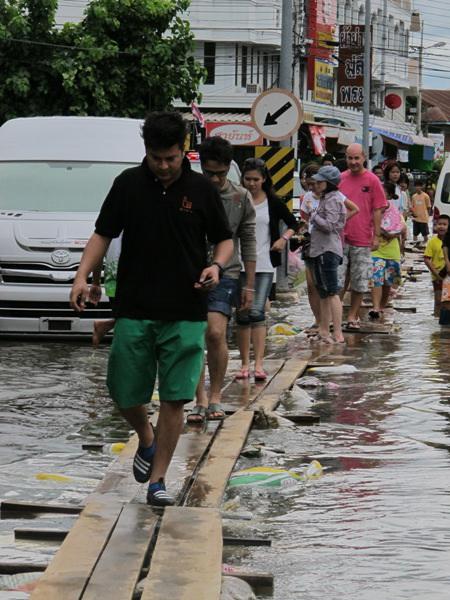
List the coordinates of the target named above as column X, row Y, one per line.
column 166, row 212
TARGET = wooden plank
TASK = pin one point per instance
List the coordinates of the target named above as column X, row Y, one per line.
column 302, row 418
column 67, row 574
column 40, row 534
column 285, row 379
column 125, row 552
column 187, row 561
column 258, row 581
column 241, row 392
column 374, row 328
column 212, row 478
column 234, row 541
column 10, row 567
column 116, row 574
column 10, row 508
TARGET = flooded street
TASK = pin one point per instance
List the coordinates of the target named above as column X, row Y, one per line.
column 374, row 526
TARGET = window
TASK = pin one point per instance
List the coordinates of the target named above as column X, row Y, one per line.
column 244, row 66
column 56, row 186
column 209, row 62
column 445, row 193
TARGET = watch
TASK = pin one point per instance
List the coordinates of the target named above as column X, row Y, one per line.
column 219, row 266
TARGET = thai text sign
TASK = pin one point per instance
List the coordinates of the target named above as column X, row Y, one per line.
column 351, row 66
column 237, row 133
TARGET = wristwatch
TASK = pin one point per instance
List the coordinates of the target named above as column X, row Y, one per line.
column 219, row 266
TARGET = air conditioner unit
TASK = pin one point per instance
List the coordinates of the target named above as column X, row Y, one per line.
column 253, row 88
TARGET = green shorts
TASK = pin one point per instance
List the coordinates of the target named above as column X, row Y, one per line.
column 142, row 349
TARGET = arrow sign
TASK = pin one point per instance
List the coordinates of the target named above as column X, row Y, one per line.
column 277, row 114
column 273, row 119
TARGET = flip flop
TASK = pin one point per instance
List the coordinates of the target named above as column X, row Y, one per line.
column 242, row 374
column 353, row 325
column 260, row 375
column 215, row 407
column 197, row 411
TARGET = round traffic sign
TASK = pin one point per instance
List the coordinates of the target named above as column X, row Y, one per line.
column 277, row 114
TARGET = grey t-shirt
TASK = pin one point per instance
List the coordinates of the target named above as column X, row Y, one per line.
column 240, row 212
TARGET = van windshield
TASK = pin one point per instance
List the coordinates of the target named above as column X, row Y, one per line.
column 56, row 186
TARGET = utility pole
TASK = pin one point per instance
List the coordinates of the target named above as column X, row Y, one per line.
column 286, row 54
column 285, row 79
column 367, row 77
column 384, row 50
column 419, row 84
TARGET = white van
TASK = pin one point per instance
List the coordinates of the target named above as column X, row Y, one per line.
column 54, row 175
column 442, row 196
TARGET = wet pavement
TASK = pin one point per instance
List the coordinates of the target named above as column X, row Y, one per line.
column 375, row 525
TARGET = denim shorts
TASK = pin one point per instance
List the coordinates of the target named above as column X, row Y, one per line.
column 256, row 316
column 224, row 296
column 325, row 273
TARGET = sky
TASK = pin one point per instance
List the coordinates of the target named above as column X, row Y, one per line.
column 436, row 61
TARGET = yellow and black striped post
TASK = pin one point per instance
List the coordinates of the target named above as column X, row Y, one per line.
column 281, row 165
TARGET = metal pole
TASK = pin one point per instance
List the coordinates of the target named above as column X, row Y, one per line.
column 285, row 81
column 367, row 77
column 286, row 56
column 419, row 84
column 384, row 49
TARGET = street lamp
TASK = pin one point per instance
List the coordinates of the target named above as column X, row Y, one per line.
column 421, row 48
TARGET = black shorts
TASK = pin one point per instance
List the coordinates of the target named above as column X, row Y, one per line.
column 420, row 228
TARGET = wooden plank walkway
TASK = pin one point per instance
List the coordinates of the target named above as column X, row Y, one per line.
column 104, row 553
column 187, row 561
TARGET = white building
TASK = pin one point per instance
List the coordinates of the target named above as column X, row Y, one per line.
column 238, row 41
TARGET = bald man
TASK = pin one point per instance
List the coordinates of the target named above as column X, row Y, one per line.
column 361, row 233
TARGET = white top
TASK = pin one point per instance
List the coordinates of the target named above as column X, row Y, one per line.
column 263, row 245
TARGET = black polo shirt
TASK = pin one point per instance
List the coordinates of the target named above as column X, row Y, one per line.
column 164, row 241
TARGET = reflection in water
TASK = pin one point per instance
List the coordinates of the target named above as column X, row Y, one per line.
column 375, row 525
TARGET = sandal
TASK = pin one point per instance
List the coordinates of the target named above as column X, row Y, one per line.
column 215, row 409
column 197, row 416
column 242, row 374
column 260, row 375
column 353, row 325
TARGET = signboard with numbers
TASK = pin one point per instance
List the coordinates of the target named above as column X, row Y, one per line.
column 351, row 66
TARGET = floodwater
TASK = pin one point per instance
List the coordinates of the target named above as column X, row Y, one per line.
column 374, row 526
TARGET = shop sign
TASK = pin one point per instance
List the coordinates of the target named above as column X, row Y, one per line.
column 323, row 82
column 237, row 133
column 351, row 66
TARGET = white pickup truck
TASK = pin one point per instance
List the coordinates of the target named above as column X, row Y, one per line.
column 54, row 175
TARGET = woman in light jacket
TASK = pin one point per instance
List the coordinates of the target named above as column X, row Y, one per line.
column 327, row 223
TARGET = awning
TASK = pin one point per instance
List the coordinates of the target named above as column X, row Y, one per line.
column 403, row 138
column 399, row 138
column 420, row 140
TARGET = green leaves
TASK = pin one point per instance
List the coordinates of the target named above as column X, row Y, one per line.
column 126, row 57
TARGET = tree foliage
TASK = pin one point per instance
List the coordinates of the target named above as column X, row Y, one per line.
column 124, row 58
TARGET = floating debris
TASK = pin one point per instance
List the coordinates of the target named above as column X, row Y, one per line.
column 271, row 477
column 283, row 329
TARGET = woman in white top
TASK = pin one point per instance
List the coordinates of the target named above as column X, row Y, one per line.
column 270, row 210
